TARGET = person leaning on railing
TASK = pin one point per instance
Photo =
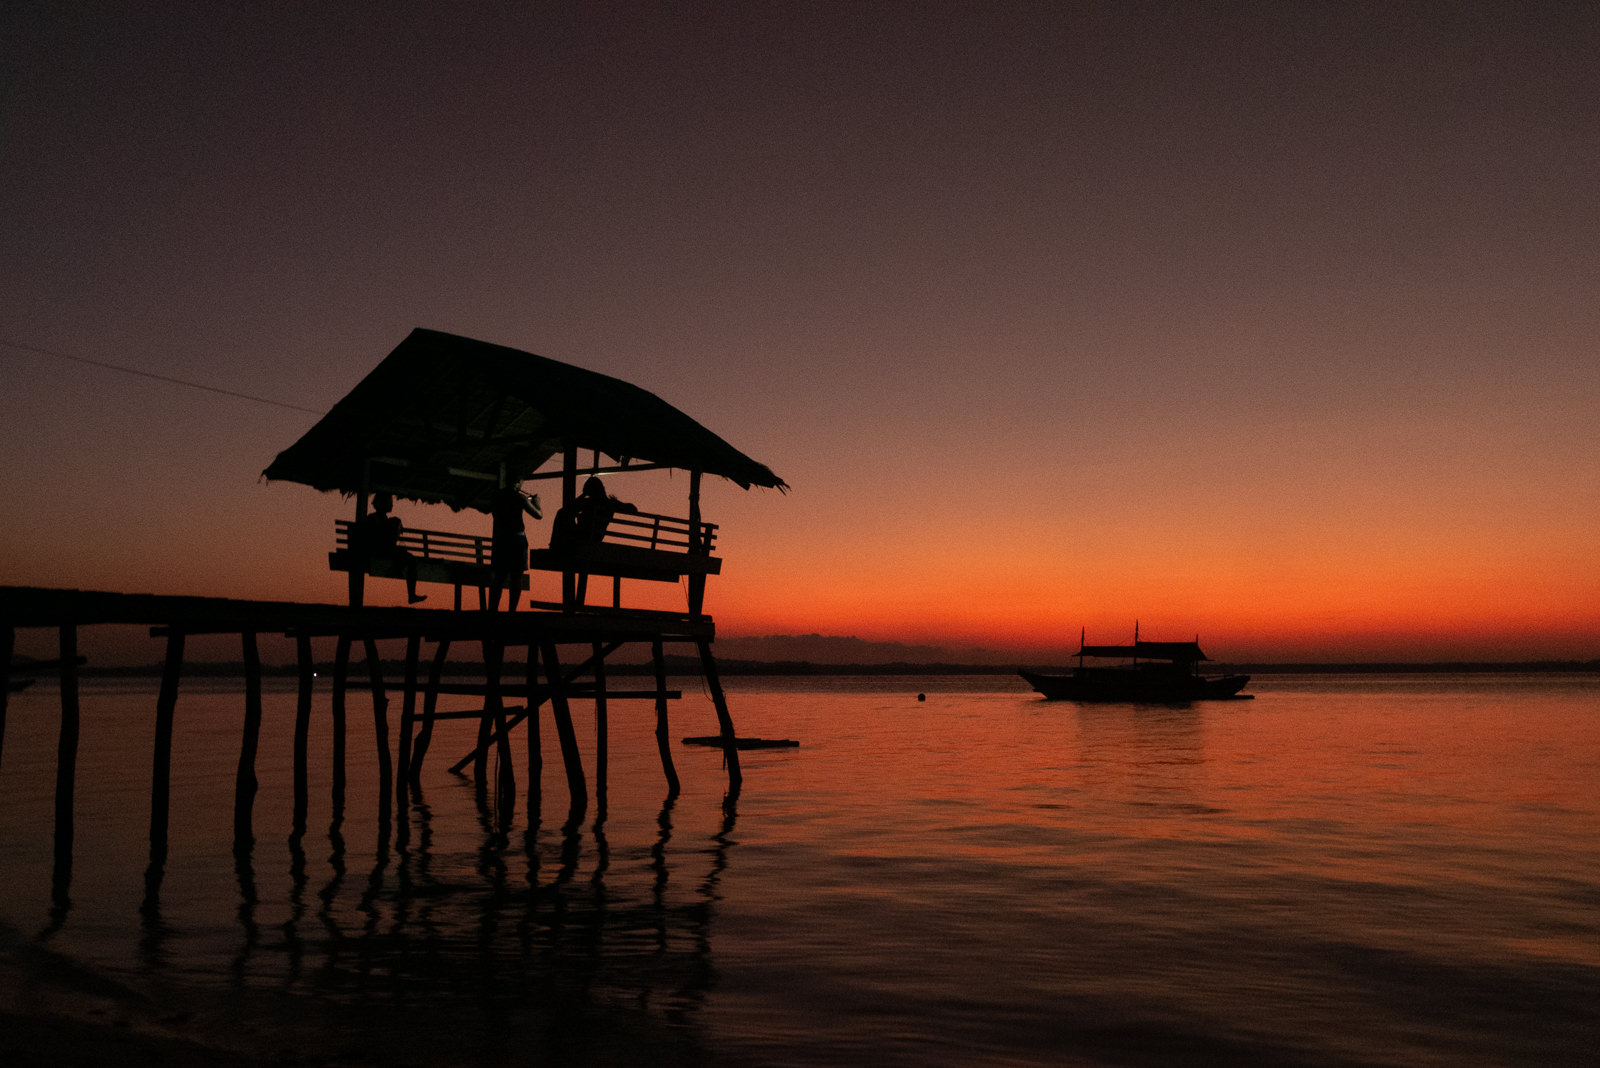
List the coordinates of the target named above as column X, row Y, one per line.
column 509, row 547
column 377, row 537
column 584, row 521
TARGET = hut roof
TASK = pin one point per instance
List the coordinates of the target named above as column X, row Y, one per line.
column 441, row 414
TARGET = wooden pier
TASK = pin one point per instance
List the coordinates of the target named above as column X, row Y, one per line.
column 565, row 656
column 447, row 420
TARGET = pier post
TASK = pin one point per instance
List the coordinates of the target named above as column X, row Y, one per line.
column 561, row 712
column 599, row 731
column 380, row 729
column 8, row 644
column 244, row 789
column 697, row 581
column 408, row 710
column 571, row 592
column 430, row 704
column 161, row 762
column 535, row 698
column 66, row 764
column 302, row 727
column 341, row 678
column 730, row 748
column 480, row 755
column 494, row 709
column 663, row 736
column 535, row 746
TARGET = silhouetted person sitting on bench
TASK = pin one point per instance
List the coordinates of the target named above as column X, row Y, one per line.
column 378, row 538
column 509, row 546
column 584, row 521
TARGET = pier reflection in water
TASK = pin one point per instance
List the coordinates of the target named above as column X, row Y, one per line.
column 455, row 923
column 1031, row 883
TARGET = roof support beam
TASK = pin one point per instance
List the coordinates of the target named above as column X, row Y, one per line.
column 613, row 470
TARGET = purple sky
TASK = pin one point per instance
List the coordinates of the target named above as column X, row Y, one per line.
column 1051, row 314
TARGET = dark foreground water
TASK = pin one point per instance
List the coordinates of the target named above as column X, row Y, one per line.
column 1346, row 870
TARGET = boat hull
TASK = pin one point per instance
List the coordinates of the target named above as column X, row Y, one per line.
column 1090, row 684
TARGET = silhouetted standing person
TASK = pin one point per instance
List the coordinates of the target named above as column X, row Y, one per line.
column 509, row 546
column 378, row 538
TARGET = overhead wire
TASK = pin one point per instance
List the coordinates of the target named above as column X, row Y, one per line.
column 54, row 354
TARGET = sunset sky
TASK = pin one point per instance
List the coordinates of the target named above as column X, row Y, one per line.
column 1272, row 323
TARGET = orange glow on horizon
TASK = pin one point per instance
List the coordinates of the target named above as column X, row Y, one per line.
column 1461, row 608
column 1020, row 590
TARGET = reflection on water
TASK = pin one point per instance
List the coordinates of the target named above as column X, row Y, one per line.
column 1149, row 758
column 452, row 920
column 1343, row 871
column 490, row 933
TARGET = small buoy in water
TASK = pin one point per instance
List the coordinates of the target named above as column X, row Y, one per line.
column 922, row 697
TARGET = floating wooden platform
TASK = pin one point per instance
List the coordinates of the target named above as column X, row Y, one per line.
column 743, row 743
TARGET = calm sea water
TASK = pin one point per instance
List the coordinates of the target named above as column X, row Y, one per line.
column 1346, row 870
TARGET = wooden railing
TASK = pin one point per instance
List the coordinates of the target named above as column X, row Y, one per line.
column 442, row 556
column 665, row 533
column 636, row 545
column 442, row 545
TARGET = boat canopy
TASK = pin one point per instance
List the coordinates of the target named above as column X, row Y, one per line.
column 1177, row 652
column 447, row 419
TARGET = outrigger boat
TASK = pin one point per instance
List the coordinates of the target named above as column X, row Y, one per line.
column 1160, row 673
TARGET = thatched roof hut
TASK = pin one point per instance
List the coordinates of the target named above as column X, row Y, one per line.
column 446, row 419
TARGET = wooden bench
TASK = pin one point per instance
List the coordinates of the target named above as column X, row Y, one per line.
column 442, row 556
column 638, row 545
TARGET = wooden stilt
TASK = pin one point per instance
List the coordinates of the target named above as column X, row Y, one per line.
column 408, row 708
column 8, row 645
column 561, row 712
column 480, row 754
column 571, row 592
column 161, row 762
column 380, row 729
column 535, row 746
column 358, row 576
column 430, row 702
column 730, row 749
column 302, row 728
column 495, row 714
column 697, row 582
column 66, row 763
column 663, row 738
column 341, row 679
column 535, row 699
column 244, row 785
column 600, row 745
column 513, row 717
